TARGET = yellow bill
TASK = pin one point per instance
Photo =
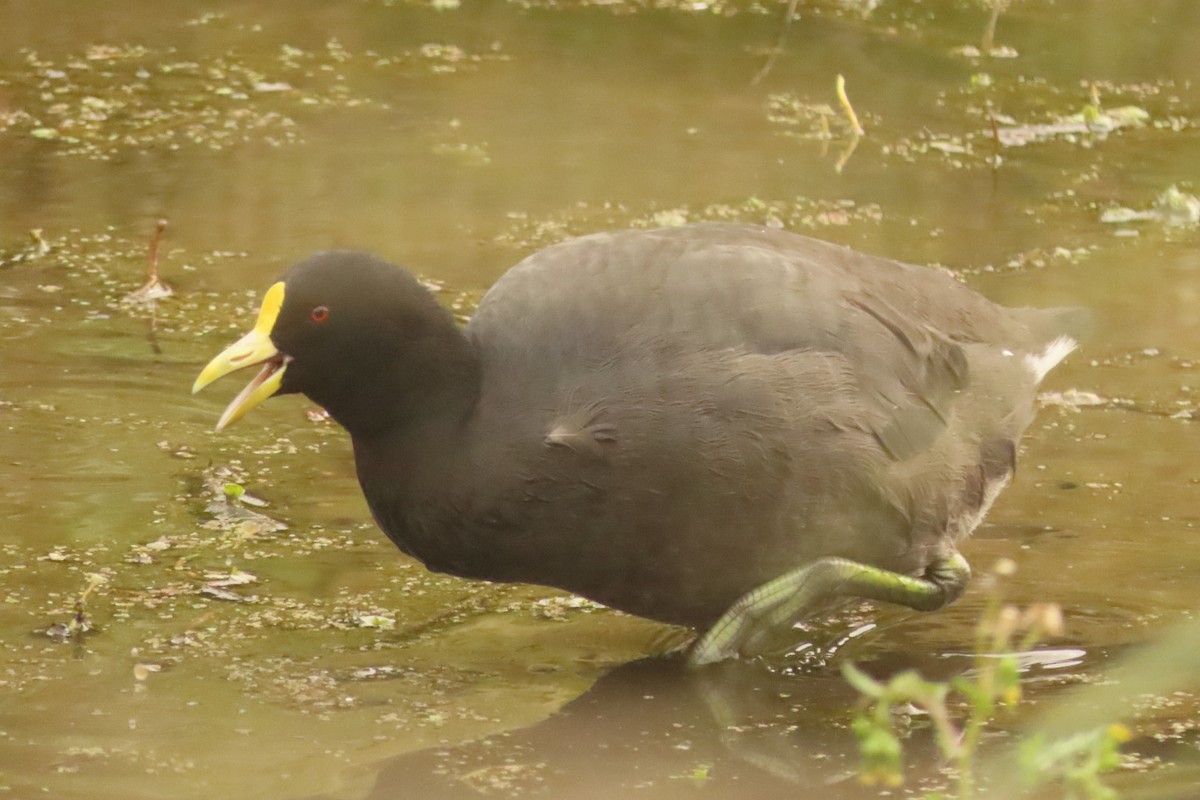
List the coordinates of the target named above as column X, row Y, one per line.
column 254, row 348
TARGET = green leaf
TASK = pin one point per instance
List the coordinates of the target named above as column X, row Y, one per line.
column 863, row 682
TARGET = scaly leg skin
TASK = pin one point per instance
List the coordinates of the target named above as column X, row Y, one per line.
column 777, row 605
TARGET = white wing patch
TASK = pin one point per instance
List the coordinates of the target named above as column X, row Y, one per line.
column 1041, row 363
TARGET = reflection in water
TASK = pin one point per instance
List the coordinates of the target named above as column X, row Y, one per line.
column 734, row 730
column 739, row 730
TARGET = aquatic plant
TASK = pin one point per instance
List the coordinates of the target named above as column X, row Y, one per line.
column 961, row 709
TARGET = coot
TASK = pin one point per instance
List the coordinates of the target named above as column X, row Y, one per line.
column 720, row 426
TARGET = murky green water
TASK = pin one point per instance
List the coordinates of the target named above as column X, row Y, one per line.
column 298, row 654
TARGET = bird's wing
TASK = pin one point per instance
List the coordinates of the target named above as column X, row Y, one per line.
column 570, row 308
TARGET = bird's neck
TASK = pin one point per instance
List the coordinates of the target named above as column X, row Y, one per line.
column 410, row 475
column 414, row 394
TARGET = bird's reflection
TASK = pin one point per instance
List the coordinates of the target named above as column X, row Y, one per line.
column 656, row 729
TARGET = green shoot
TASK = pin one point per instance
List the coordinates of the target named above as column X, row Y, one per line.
column 960, row 710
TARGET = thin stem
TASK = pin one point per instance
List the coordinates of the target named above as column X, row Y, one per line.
column 846, row 107
column 778, row 48
column 989, row 33
column 152, row 268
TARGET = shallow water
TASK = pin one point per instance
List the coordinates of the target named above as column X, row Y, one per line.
column 298, row 654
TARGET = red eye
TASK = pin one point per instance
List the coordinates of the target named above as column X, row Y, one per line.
column 319, row 314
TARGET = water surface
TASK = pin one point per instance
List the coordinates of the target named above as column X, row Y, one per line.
column 299, row 654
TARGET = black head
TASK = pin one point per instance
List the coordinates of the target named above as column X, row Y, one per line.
column 359, row 336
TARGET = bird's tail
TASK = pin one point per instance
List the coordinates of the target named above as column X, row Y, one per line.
column 1055, row 333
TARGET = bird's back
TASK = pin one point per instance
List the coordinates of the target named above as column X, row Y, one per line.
column 723, row 285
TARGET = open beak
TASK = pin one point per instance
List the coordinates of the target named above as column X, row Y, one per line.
column 254, row 348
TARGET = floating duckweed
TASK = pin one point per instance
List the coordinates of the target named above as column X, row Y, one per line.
column 528, row 232
column 113, row 99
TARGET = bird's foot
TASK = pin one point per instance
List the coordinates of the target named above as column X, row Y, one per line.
column 750, row 623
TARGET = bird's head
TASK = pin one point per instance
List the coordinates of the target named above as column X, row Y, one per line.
column 340, row 327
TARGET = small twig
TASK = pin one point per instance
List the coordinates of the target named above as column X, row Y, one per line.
column 778, row 48
column 997, row 145
column 155, row 288
column 79, row 623
column 845, row 155
column 152, row 330
column 152, row 271
column 989, row 33
column 846, row 107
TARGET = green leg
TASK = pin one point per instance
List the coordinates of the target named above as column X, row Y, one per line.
column 775, row 606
